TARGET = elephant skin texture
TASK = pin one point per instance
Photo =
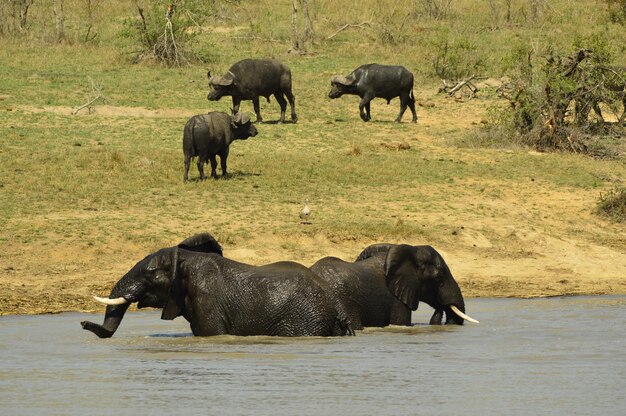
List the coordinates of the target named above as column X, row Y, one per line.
column 221, row 296
column 387, row 282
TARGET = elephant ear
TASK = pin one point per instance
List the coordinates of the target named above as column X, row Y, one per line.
column 203, row 243
column 402, row 275
column 172, row 308
column 372, row 250
column 175, row 298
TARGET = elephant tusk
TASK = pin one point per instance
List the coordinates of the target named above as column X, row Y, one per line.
column 462, row 315
column 107, row 301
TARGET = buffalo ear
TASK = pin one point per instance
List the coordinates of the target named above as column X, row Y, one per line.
column 402, row 275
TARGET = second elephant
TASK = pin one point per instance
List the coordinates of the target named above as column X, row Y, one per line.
column 388, row 281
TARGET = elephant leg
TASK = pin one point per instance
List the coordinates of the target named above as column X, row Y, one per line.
column 283, row 106
column 213, row 166
column 400, row 314
column 257, row 109
column 437, row 317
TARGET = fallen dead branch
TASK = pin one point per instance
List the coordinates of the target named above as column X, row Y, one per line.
column 452, row 89
column 96, row 94
column 395, row 145
column 362, row 25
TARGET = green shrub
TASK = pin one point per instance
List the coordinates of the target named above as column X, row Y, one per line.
column 613, row 204
column 150, row 35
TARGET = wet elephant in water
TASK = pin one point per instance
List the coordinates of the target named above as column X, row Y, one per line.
column 146, row 283
column 221, row 296
column 387, row 282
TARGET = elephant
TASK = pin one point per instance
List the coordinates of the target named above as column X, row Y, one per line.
column 221, row 296
column 387, row 282
column 145, row 284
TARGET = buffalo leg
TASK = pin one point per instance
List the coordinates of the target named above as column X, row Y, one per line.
column 257, row 109
column 365, row 105
column 187, row 164
column 283, row 106
column 213, row 166
column 236, row 104
column 411, row 104
column 200, row 164
column 405, row 101
column 223, row 157
column 292, row 104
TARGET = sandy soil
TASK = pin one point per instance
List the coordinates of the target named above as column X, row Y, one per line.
column 490, row 257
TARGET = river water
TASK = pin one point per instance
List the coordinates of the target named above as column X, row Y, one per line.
column 560, row 356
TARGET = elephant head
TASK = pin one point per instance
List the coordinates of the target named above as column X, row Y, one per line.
column 419, row 273
column 147, row 283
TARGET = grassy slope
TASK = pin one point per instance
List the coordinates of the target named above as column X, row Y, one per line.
column 84, row 197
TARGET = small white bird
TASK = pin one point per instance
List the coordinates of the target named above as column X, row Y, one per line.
column 304, row 214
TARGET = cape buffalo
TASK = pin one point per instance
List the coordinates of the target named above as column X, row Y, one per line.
column 209, row 135
column 373, row 80
column 253, row 78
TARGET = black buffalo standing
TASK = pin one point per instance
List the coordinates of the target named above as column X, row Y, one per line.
column 373, row 80
column 253, row 78
column 210, row 135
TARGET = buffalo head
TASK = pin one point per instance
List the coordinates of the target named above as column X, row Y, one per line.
column 339, row 85
column 219, row 86
column 242, row 126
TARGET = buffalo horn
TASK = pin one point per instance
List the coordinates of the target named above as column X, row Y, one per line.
column 107, row 301
column 221, row 81
column 462, row 315
column 340, row 79
column 242, row 118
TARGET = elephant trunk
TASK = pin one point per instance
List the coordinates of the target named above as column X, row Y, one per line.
column 112, row 319
column 452, row 302
column 451, row 298
column 127, row 290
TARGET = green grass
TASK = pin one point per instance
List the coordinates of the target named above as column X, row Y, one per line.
column 101, row 186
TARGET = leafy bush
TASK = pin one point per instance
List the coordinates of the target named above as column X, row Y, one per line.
column 165, row 35
column 549, row 91
column 455, row 57
column 613, row 204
